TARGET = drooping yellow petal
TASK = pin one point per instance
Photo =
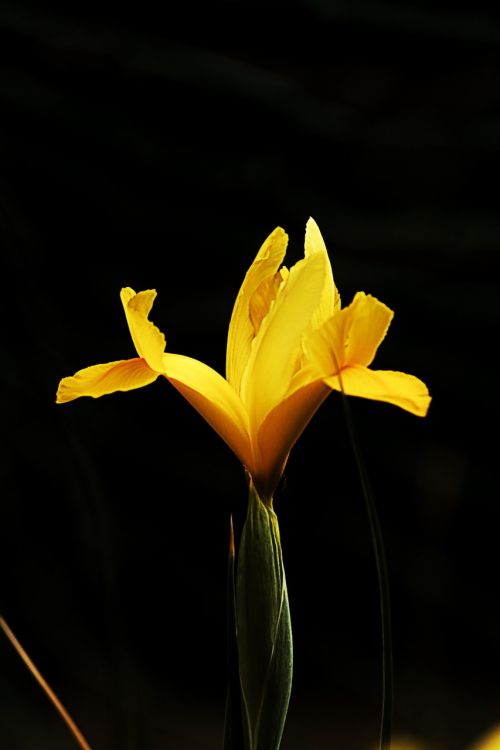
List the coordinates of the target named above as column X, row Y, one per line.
column 148, row 340
column 329, row 301
column 397, row 388
column 214, row 399
column 252, row 303
column 279, row 432
column 99, row 380
column 277, row 347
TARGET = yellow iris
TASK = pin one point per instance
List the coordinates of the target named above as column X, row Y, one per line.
column 289, row 344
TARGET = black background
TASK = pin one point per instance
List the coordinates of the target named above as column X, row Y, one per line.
column 157, row 148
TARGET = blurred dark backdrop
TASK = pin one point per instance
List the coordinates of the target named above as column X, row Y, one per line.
column 157, row 149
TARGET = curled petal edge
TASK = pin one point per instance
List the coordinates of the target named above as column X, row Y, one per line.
column 148, row 340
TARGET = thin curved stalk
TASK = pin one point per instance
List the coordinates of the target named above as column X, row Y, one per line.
column 383, row 584
column 45, row 687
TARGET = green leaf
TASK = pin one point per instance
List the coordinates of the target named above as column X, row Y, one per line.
column 264, row 631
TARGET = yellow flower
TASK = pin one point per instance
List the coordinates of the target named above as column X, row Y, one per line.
column 289, row 344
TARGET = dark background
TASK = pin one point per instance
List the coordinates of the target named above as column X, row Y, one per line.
column 158, row 149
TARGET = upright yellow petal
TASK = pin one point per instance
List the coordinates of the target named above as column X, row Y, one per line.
column 99, row 380
column 348, row 343
column 214, row 399
column 329, row 300
column 277, row 347
column 351, row 336
column 252, row 303
column 148, row 340
column 405, row 391
column 368, row 322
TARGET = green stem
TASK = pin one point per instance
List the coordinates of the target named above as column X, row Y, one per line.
column 264, row 634
column 383, row 585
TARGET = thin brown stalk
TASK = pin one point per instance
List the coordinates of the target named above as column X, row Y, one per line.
column 45, row 687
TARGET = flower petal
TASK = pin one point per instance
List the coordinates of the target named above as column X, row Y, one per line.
column 366, row 328
column 350, row 337
column 99, row 380
column 148, row 340
column 277, row 347
column 214, row 399
column 252, row 303
column 330, row 299
column 397, row 388
column 280, row 430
